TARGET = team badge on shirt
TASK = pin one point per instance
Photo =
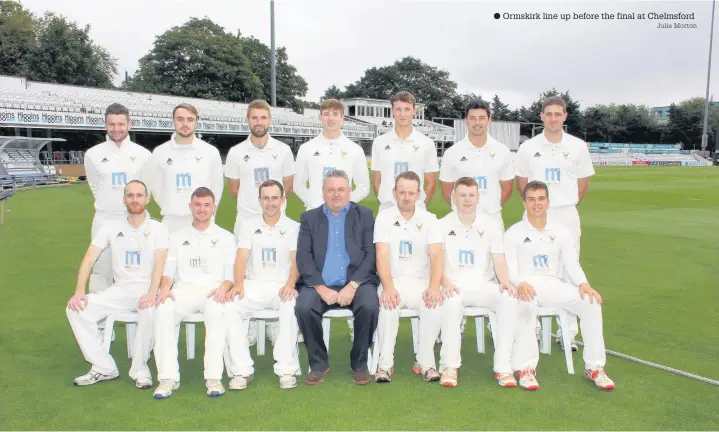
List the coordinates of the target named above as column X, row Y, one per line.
column 198, row 159
column 282, row 231
column 146, row 234
column 480, row 233
column 274, row 156
column 551, row 238
column 492, row 155
column 419, row 226
column 246, row 158
column 416, row 147
column 132, row 159
column 214, row 242
column 344, row 153
column 169, row 161
column 566, row 155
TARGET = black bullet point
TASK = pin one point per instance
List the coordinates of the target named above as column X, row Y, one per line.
column 496, row 16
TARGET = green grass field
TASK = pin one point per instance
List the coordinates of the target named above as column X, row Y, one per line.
column 650, row 245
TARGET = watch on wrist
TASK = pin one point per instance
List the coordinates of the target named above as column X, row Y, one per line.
column 354, row 284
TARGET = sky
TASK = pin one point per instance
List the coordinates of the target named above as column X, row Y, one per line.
column 599, row 61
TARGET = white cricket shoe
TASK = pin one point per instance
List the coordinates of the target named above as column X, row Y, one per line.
column 288, row 382
column 239, row 382
column 528, row 380
column 143, row 383
column 599, row 378
column 165, row 389
column 214, row 388
column 94, row 377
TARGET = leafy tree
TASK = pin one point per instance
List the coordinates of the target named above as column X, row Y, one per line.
column 332, row 92
column 500, row 110
column 17, row 37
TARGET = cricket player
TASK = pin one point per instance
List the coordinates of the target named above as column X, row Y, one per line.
column 471, row 248
column 109, row 166
column 265, row 278
column 539, row 250
column 326, row 152
column 408, row 240
column 402, row 149
column 198, row 274
column 180, row 166
column 138, row 248
column 482, row 158
column 257, row 159
column 563, row 163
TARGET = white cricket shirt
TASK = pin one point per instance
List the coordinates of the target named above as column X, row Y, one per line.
column 132, row 250
column 109, row 168
column 252, row 166
column 269, row 248
column 467, row 250
column 530, row 252
column 201, row 257
column 488, row 164
column 392, row 156
column 408, row 240
column 557, row 165
column 318, row 156
column 177, row 170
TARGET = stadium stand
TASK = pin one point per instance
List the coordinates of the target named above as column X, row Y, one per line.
column 20, row 163
column 620, row 154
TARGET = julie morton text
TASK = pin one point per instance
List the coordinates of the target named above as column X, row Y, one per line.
column 675, row 25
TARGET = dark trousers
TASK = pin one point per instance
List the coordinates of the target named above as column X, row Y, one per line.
column 309, row 310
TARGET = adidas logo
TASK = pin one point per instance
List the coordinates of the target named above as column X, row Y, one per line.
column 464, row 159
column 169, row 161
column 387, row 147
column 537, row 154
column 104, row 160
column 258, row 231
column 527, row 240
column 396, row 224
column 119, row 235
column 246, row 158
column 186, row 243
column 316, row 154
column 452, row 233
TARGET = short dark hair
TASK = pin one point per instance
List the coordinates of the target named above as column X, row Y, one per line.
column 117, row 109
column 403, row 96
column 138, row 182
column 202, row 192
column 535, row 185
column 478, row 104
column 270, row 183
column 554, row 100
column 408, row 175
column 466, row 181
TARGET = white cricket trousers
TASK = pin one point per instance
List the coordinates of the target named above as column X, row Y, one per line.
column 116, row 299
column 553, row 293
column 568, row 217
column 484, row 294
column 101, row 277
column 410, row 294
column 261, row 295
column 189, row 299
column 176, row 223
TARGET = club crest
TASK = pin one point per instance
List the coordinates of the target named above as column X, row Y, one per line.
column 132, row 159
column 480, row 233
column 566, row 155
column 146, row 234
column 198, row 159
column 282, row 231
column 214, row 242
column 419, row 226
column 492, row 155
column 416, row 147
column 274, row 156
column 551, row 238
column 344, row 153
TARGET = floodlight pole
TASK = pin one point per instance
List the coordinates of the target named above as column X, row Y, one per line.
column 273, row 59
column 709, row 68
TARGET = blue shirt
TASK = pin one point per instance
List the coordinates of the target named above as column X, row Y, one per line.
column 334, row 272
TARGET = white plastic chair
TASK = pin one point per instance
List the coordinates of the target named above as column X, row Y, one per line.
column 339, row 313
column 262, row 317
column 479, row 314
column 545, row 344
column 414, row 321
column 190, row 322
column 130, row 320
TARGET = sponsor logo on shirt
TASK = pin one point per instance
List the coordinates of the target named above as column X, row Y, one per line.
column 527, row 240
column 269, row 257
column 119, row 179
column 119, row 235
column 195, row 262
column 396, row 224
column 186, row 243
column 466, row 258
column 316, row 153
column 258, row 231
column 540, row 261
column 552, row 175
column 405, row 249
column 104, row 160
column 246, row 158
column 183, row 180
column 537, row 154
column 464, row 159
column 132, row 258
column 452, row 233
column 387, row 147
column 169, row 161
column 400, row 167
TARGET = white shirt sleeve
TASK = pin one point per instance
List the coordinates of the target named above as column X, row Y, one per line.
column 510, row 255
column 288, row 164
column 507, row 170
column 446, row 172
column 584, row 162
column 143, row 173
column 229, row 253
column 375, row 163
column 431, row 163
column 434, row 231
column 232, row 164
column 302, row 175
column 171, row 262
column 163, row 236
column 496, row 245
column 154, row 174
column 360, row 176
column 102, row 238
column 382, row 228
column 570, row 260
column 521, row 169
column 294, row 234
column 91, row 174
column 245, row 238
column 217, row 179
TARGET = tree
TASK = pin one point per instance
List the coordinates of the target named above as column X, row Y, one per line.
column 290, row 85
column 574, row 114
column 198, row 59
column 686, row 122
column 430, row 85
column 500, row 110
column 332, row 92
column 65, row 54
column 17, row 37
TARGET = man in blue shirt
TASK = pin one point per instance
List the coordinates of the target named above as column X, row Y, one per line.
column 336, row 262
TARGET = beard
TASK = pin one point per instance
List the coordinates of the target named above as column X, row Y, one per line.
column 259, row 132
column 185, row 135
column 135, row 210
